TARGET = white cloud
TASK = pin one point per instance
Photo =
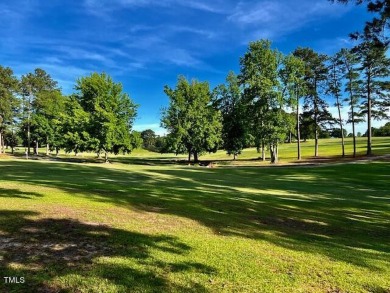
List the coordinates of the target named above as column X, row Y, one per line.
column 105, row 7
column 65, row 75
column 273, row 19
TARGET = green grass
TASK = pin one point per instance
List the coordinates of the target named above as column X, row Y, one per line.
column 329, row 149
column 74, row 227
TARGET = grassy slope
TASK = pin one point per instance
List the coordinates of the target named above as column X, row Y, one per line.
column 120, row 228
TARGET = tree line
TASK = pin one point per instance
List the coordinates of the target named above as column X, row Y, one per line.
column 261, row 105
column 98, row 117
column 274, row 98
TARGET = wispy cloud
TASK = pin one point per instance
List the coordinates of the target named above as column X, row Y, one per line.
column 103, row 7
column 64, row 74
column 273, row 19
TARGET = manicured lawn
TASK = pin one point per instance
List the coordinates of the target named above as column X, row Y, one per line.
column 165, row 228
column 329, row 149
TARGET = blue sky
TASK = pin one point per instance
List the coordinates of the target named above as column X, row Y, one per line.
column 146, row 44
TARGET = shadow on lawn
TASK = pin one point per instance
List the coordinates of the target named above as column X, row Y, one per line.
column 331, row 210
column 10, row 192
column 43, row 249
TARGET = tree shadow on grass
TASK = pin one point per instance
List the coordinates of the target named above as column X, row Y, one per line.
column 16, row 193
column 86, row 254
column 340, row 211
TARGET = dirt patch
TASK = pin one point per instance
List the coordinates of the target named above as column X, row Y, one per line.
column 55, row 241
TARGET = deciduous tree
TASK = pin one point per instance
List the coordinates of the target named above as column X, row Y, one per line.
column 193, row 125
column 228, row 99
column 8, row 101
column 111, row 113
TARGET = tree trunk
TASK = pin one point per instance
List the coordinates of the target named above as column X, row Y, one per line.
column 341, row 127
column 196, row 159
column 290, row 138
column 57, row 151
column 298, row 131
column 316, row 143
column 316, row 121
column 12, row 150
column 353, row 120
column 189, row 157
column 28, row 137
column 234, row 156
column 274, row 153
column 316, row 136
column 1, row 143
column 47, row 149
column 262, row 151
column 369, row 130
column 36, row 148
column 106, row 157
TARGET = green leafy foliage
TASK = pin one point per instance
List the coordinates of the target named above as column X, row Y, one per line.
column 193, row 125
column 110, row 114
column 263, row 97
column 228, row 99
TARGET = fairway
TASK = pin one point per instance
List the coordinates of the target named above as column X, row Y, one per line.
column 140, row 228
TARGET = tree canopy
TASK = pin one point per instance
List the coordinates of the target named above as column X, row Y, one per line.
column 193, row 125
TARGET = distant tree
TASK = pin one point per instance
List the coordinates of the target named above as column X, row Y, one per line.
column 136, row 139
column 193, row 125
column 111, row 113
column 12, row 139
column 315, row 76
column 8, row 101
column 291, row 122
column 161, row 145
column 307, row 126
column 324, row 133
column 359, row 134
column 383, row 130
column 336, row 133
column 228, row 100
column 149, row 139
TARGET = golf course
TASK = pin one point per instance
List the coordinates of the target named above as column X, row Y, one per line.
column 148, row 223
